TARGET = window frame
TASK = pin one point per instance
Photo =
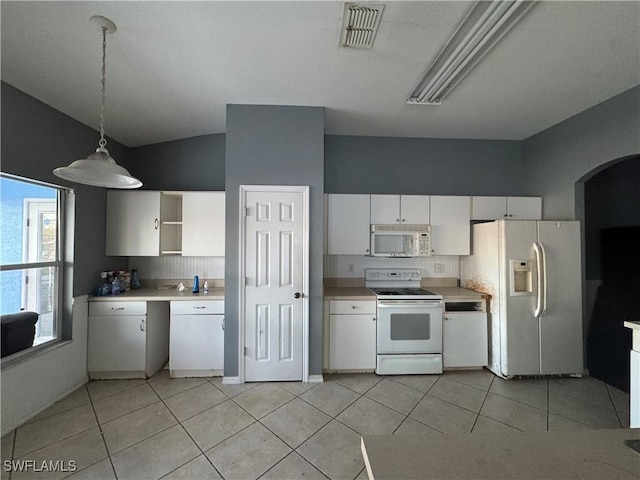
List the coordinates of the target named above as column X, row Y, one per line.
column 62, row 266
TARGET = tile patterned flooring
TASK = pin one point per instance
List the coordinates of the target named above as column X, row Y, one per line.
column 199, row 428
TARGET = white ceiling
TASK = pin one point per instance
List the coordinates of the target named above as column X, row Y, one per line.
column 173, row 66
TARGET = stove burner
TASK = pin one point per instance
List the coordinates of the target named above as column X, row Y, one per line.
column 401, row 291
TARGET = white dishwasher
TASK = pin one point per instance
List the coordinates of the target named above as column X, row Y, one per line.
column 196, row 346
column 465, row 334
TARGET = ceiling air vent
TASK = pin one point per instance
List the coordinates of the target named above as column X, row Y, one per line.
column 360, row 24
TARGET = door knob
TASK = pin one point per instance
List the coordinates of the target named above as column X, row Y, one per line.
column 297, row 295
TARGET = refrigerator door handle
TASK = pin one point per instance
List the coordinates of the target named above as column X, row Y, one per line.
column 539, row 287
column 544, row 279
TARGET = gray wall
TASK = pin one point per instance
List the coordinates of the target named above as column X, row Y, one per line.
column 36, row 139
column 562, row 155
column 195, row 163
column 272, row 145
column 424, row 166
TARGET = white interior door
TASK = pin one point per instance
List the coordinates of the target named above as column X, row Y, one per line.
column 275, row 306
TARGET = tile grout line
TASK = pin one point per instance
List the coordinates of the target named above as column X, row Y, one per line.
column 187, row 432
column 486, row 395
column 615, row 409
column 113, row 468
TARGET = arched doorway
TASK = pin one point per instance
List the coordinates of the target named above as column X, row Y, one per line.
column 610, row 214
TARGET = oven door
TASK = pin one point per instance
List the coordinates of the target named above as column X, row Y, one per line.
column 409, row 326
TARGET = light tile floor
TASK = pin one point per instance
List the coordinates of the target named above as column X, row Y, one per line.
column 199, row 428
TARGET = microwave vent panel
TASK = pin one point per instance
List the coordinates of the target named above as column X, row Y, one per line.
column 400, row 228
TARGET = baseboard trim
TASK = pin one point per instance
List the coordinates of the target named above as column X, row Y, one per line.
column 315, row 379
column 231, row 381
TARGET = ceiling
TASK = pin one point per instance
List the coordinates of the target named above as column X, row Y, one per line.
column 172, row 67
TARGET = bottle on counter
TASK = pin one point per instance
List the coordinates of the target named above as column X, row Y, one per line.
column 115, row 285
column 196, row 284
column 206, row 287
column 105, row 286
column 135, row 279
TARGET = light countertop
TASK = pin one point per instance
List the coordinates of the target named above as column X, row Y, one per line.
column 159, row 295
column 632, row 324
column 577, row 454
column 458, row 294
column 348, row 293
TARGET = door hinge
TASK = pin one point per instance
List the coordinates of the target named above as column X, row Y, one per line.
column 26, row 279
column 246, row 352
column 246, row 212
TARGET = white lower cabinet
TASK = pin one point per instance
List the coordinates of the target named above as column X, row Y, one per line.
column 127, row 339
column 634, row 393
column 352, row 335
column 464, row 339
column 197, row 338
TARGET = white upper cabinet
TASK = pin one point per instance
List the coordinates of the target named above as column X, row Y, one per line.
column 524, row 208
column 152, row 223
column 348, row 224
column 415, row 209
column 400, row 209
column 203, row 224
column 133, row 223
column 385, row 209
column 512, row 208
column 450, row 225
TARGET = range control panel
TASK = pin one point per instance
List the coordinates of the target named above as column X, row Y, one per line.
column 392, row 274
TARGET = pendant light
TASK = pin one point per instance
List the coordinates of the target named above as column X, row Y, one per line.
column 99, row 169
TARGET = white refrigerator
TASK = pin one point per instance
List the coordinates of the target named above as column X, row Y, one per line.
column 532, row 270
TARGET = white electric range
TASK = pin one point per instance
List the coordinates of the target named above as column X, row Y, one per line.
column 409, row 322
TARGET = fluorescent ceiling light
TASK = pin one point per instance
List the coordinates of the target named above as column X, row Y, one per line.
column 360, row 24
column 483, row 27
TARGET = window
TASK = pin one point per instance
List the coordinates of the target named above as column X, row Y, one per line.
column 32, row 258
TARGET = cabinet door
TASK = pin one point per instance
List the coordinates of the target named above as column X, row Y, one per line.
column 488, row 208
column 524, row 208
column 348, row 224
column 196, row 342
column 117, row 343
column 352, row 342
column 385, row 209
column 203, row 224
column 464, row 340
column 133, row 223
column 450, row 225
column 414, row 209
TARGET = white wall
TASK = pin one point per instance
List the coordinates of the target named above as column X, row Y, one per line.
column 36, row 383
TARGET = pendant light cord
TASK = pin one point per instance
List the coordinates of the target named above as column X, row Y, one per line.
column 103, row 141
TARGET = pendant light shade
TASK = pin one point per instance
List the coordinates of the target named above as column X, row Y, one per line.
column 99, row 169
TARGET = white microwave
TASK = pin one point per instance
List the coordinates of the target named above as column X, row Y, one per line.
column 400, row 240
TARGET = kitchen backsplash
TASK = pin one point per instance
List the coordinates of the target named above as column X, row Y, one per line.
column 345, row 266
column 335, row 266
column 176, row 266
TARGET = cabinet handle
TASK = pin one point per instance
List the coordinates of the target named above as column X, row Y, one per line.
column 397, row 220
column 155, row 224
column 354, row 306
column 142, row 325
column 117, row 308
column 374, row 319
column 223, row 325
column 199, row 308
